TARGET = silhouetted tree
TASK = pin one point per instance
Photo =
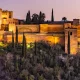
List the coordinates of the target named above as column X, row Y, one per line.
column 52, row 17
column 15, row 63
column 24, row 46
column 12, row 39
column 35, row 47
column 68, row 42
column 16, row 35
column 35, row 18
column 64, row 19
column 41, row 17
column 28, row 18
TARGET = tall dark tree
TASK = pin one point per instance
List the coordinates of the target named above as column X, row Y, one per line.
column 69, row 42
column 16, row 35
column 28, row 18
column 41, row 17
column 52, row 17
column 35, row 48
column 12, row 39
column 35, row 18
column 24, row 46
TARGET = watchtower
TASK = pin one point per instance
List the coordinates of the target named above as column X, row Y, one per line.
column 71, row 40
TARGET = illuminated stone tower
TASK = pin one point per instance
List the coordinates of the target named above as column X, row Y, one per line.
column 6, row 16
column 0, row 17
column 72, row 46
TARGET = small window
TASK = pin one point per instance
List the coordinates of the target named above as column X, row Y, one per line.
column 70, row 33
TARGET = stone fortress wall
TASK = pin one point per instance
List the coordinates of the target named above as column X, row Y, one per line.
column 53, row 33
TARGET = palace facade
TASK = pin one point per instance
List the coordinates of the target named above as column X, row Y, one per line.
column 56, row 32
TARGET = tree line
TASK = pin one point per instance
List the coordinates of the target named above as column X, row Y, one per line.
column 40, row 18
column 37, row 18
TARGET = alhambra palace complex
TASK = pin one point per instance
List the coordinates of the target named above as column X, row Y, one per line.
column 56, row 32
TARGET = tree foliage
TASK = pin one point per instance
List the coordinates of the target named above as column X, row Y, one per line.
column 28, row 18
column 52, row 16
column 13, row 40
column 64, row 19
column 49, row 63
column 35, row 18
column 24, row 46
column 16, row 35
column 41, row 17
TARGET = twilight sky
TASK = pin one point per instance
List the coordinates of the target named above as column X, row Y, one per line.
column 67, row 8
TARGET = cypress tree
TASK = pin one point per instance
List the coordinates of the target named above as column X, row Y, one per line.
column 15, row 61
column 24, row 46
column 12, row 39
column 52, row 17
column 28, row 18
column 35, row 47
column 68, row 42
column 16, row 35
column 40, row 17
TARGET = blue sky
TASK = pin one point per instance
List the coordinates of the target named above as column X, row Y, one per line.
column 67, row 8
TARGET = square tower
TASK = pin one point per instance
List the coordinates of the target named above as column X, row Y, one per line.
column 72, row 45
column 0, row 17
